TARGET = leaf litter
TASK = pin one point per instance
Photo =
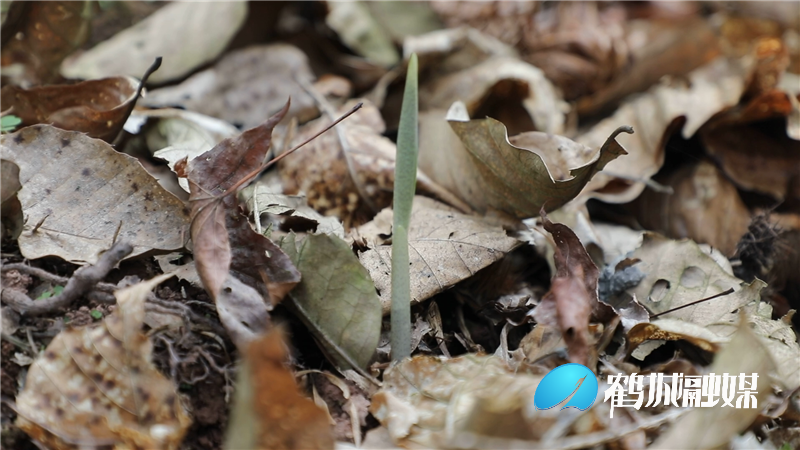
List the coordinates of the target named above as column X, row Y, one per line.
column 286, row 268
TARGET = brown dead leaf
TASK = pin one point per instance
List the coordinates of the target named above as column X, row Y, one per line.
column 245, row 86
column 656, row 115
column 197, row 34
column 269, row 409
column 704, row 207
column 86, row 195
column 244, row 272
column 445, row 247
column 572, row 298
column 39, row 35
column 96, row 386
column 491, row 174
column 98, row 108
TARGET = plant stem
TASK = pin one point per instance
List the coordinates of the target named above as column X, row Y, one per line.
column 405, row 182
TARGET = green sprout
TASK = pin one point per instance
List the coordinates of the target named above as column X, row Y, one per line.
column 96, row 315
column 405, row 182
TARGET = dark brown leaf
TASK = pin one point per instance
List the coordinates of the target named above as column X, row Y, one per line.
column 244, row 272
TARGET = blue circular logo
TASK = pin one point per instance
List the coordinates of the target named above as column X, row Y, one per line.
column 571, row 385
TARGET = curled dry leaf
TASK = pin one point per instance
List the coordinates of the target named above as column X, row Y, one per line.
column 493, row 175
column 680, row 272
column 96, row 386
column 361, row 32
column 269, row 410
column 655, row 115
column 69, row 180
column 445, row 247
column 98, row 108
column 714, row 427
column 198, row 34
column 244, row 272
column 37, row 36
column 336, row 298
column 704, row 206
column 245, row 86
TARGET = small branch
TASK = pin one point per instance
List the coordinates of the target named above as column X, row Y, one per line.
column 80, row 284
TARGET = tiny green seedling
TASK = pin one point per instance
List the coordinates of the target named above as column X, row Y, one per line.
column 405, row 183
column 56, row 290
column 96, row 315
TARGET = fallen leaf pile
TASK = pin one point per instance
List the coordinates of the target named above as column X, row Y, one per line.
column 609, row 184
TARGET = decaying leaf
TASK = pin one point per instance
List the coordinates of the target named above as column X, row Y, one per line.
column 244, row 272
column 445, row 247
column 39, row 35
column 86, row 195
column 656, row 115
column 572, row 298
column 679, row 273
column 704, row 206
column 493, row 175
column 269, row 410
column 336, row 298
column 715, row 426
column 199, row 33
column 245, row 86
column 98, row 108
column 96, row 386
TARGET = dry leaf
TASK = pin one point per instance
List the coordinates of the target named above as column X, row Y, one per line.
column 493, row 175
column 98, row 108
column 269, row 410
column 495, row 87
column 655, row 115
column 96, row 386
column 730, row 138
column 37, row 36
column 245, row 86
column 680, row 272
column 197, row 35
column 704, row 207
column 336, row 298
column 572, row 298
column 714, row 427
column 445, row 247
column 86, row 195
column 244, row 272
column 431, row 402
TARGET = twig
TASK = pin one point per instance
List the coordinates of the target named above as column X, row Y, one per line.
column 81, row 282
column 729, row 291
